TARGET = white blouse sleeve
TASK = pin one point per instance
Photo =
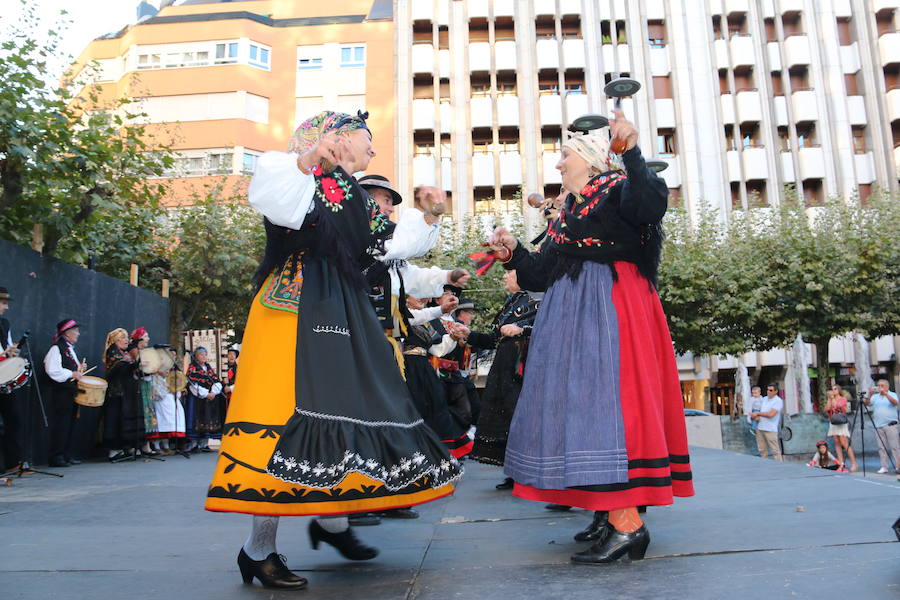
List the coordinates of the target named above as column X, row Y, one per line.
column 419, row 282
column 424, row 315
column 447, row 344
column 280, row 191
column 412, row 237
column 198, row 390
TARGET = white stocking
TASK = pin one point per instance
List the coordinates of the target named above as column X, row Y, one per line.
column 335, row 524
column 261, row 542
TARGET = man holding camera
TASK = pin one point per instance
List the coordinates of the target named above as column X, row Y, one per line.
column 883, row 403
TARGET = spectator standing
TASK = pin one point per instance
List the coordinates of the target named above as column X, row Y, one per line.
column 884, row 414
column 836, row 409
column 769, row 416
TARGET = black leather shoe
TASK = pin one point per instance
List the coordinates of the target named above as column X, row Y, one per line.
column 641, row 509
column 558, row 507
column 615, row 546
column 271, row 572
column 344, row 542
column 400, row 513
column 58, row 462
column 506, row 484
column 597, row 530
column 73, row 461
column 364, row 519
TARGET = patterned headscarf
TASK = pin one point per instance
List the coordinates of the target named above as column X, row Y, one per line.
column 594, row 148
column 310, row 131
column 111, row 338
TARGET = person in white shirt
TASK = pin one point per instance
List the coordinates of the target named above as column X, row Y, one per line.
column 769, row 416
column 64, row 370
column 885, row 416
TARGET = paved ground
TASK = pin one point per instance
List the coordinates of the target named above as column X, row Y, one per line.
column 756, row 529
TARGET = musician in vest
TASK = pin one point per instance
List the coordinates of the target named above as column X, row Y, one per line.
column 11, row 409
column 64, row 370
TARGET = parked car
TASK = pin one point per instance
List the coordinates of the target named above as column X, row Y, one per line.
column 695, row 412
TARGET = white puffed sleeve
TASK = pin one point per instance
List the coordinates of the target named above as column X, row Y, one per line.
column 420, row 282
column 280, row 191
column 424, row 315
column 412, row 237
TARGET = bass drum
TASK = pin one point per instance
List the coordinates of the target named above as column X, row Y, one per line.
column 14, row 373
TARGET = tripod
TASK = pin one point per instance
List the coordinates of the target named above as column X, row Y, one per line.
column 24, row 467
column 861, row 396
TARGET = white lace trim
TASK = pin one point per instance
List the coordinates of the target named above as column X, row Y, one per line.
column 309, row 413
column 395, row 477
column 332, row 329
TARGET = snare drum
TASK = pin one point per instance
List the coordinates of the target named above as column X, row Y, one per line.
column 14, row 373
column 91, row 391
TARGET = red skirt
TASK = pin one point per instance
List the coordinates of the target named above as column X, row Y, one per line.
column 652, row 409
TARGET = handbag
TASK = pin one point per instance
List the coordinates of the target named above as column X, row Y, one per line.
column 839, row 418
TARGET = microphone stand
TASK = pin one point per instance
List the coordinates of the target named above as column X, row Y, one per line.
column 24, row 467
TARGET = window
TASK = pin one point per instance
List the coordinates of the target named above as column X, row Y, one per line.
column 249, row 163
column 845, row 34
column 574, row 83
column 859, row 140
column 226, row 53
column 662, row 87
column 149, row 61
column 220, row 164
column 851, row 82
column 424, row 149
column 548, row 82
column 259, row 56
column 723, row 82
column 750, row 136
column 737, row 24
column 353, row 56
column 784, row 139
column 717, row 27
column 665, row 142
column 813, row 192
column 309, row 64
column 792, row 23
column 656, row 34
column 777, row 84
column 884, row 21
column 771, row 33
column 730, row 143
column 806, row 136
column 544, row 28
column 756, row 193
column 799, row 78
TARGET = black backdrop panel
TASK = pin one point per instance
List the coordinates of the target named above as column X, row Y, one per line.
column 46, row 291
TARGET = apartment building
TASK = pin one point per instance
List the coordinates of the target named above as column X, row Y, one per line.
column 233, row 79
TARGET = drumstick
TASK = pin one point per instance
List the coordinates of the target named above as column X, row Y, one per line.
column 89, row 370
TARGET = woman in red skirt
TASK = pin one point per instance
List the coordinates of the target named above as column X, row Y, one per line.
column 600, row 421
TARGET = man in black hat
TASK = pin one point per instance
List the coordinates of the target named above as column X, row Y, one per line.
column 11, row 407
column 64, row 370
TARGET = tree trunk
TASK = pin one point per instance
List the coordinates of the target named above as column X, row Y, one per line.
column 822, row 379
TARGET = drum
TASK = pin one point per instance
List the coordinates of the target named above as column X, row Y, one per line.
column 176, row 381
column 91, row 391
column 166, row 359
column 14, row 373
column 150, row 361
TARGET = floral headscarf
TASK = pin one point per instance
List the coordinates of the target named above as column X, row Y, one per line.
column 594, row 148
column 310, row 131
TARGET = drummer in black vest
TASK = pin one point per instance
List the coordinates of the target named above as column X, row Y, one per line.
column 64, row 370
column 11, row 409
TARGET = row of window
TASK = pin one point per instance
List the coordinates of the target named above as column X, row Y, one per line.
column 227, row 53
column 351, row 57
column 212, row 163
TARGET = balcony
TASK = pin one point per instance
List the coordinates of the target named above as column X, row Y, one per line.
column 727, row 102
column 880, row 5
column 421, row 11
column 573, row 54
column 482, row 170
column 544, row 7
column 505, row 55
column 736, row 6
column 446, row 174
column 773, row 357
column 550, row 109
column 781, row 119
column 504, row 8
column 423, row 114
column 893, row 104
column 842, row 8
column 742, row 54
column 796, row 51
column 479, row 56
column 477, row 9
column 443, row 13
column 721, row 48
column 865, row 167
column 733, row 160
column 609, row 58
column 665, row 112
column 508, row 111
column 812, row 163
column 576, row 105
column 570, row 7
column 423, row 170
column 481, row 111
column 749, row 108
column 422, row 58
column 787, row 167
column 889, row 48
column 446, row 117
column 850, row 58
column 804, row 106
column 551, row 175
column 659, row 62
column 444, row 63
column 655, row 9
column 547, row 54
column 754, row 163
column 510, row 168
column 856, row 109
column 672, row 175
column 774, row 53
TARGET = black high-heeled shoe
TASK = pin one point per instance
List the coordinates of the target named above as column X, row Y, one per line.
column 615, row 546
column 506, row 484
column 344, row 542
column 597, row 530
column 271, row 572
